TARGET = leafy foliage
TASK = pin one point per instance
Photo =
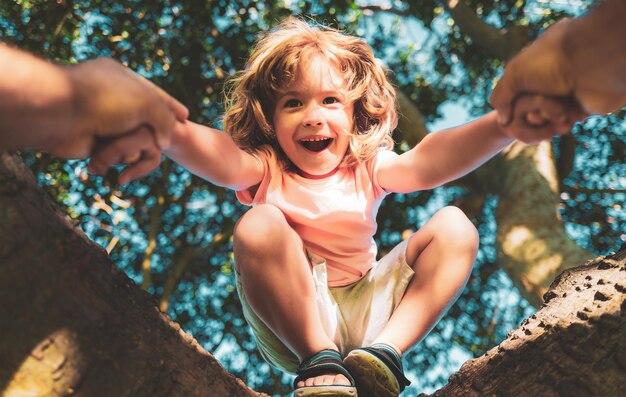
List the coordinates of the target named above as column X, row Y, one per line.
column 171, row 230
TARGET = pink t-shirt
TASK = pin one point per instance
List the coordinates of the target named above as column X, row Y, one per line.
column 334, row 216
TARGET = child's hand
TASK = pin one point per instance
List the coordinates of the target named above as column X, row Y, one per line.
column 138, row 149
column 539, row 117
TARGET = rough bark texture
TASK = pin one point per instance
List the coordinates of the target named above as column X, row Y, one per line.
column 71, row 323
column 575, row 345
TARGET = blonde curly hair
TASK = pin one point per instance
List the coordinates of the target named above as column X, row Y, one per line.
column 251, row 94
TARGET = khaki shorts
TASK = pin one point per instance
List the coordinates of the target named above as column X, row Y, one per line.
column 353, row 315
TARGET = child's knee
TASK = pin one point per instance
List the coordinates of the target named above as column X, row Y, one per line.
column 457, row 230
column 258, row 228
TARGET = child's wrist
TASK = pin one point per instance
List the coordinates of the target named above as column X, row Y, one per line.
column 500, row 129
column 180, row 135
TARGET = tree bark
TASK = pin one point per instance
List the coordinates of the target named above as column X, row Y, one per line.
column 73, row 324
column 575, row 345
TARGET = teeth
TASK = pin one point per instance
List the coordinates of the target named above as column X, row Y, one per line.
column 314, row 139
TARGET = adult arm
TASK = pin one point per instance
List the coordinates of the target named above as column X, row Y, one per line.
column 64, row 109
column 581, row 59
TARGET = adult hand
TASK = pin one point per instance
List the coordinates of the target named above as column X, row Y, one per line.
column 137, row 148
column 540, row 68
column 110, row 100
column 536, row 118
column 581, row 60
column 64, row 109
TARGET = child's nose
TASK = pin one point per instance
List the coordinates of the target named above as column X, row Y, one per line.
column 313, row 118
column 312, row 123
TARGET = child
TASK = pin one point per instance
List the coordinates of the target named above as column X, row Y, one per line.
column 309, row 147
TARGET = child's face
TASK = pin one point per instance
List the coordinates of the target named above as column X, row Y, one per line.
column 313, row 117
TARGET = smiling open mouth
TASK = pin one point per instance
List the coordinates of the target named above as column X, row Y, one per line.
column 316, row 144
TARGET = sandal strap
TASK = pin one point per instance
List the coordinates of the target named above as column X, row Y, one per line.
column 390, row 357
column 320, row 363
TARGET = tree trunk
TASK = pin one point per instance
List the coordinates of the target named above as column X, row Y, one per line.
column 73, row 324
column 575, row 345
column 533, row 247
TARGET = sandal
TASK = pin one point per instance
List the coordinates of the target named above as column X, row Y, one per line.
column 321, row 363
column 377, row 370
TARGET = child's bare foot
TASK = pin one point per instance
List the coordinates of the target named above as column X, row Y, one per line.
column 322, row 374
column 325, row 379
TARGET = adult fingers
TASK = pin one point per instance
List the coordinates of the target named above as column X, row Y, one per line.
column 502, row 98
column 550, row 108
column 544, row 111
column 124, row 148
column 535, row 118
column 528, row 134
column 149, row 161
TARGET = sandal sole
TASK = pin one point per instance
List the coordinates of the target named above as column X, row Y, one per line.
column 373, row 378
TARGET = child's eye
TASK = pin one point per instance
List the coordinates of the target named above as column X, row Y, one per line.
column 292, row 103
column 330, row 100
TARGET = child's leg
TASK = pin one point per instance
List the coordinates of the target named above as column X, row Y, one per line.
column 442, row 254
column 278, row 284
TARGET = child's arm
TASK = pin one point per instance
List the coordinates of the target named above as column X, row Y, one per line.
column 443, row 156
column 447, row 155
column 207, row 152
column 211, row 154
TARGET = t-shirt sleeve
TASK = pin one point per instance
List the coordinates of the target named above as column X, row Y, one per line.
column 372, row 169
column 256, row 194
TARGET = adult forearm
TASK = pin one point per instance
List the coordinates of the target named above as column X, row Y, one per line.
column 601, row 32
column 36, row 101
column 595, row 46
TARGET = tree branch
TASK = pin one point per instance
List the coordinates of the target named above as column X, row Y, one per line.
column 182, row 263
column 573, row 346
column 567, row 154
column 155, row 216
column 501, row 44
column 376, row 8
column 75, row 323
column 411, row 124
